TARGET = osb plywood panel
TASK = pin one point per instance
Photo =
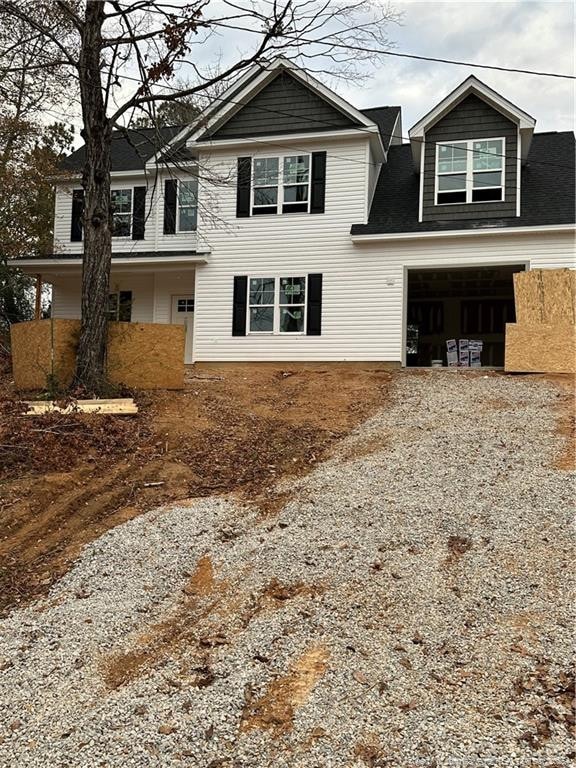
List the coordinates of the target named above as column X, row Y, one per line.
column 146, row 355
column 140, row 355
column 528, row 297
column 32, row 359
column 545, row 296
column 542, row 348
column 559, row 291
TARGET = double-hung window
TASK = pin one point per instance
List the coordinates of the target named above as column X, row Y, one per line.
column 187, row 205
column 281, row 184
column 470, row 171
column 121, row 212
column 276, row 304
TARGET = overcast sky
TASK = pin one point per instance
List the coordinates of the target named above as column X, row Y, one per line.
column 525, row 34
column 516, row 33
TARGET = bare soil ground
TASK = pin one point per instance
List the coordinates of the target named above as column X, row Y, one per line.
column 66, row 480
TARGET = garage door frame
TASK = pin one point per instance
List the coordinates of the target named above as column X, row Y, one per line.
column 438, row 266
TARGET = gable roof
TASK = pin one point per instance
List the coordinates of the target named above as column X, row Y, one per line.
column 472, row 85
column 547, row 188
column 130, row 149
column 243, row 91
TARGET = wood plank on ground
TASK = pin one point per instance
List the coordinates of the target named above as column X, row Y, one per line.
column 120, row 407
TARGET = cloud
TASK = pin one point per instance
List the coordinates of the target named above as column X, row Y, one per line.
column 518, row 33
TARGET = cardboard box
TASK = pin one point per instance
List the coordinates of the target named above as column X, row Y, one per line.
column 475, row 349
column 463, row 353
column 451, row 353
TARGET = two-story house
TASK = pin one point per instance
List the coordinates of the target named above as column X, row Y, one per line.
column 287, row 225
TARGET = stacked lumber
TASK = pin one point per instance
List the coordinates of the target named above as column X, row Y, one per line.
column 119, row 406
column 543, row 338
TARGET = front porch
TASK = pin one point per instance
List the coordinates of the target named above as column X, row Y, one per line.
column 140, row 292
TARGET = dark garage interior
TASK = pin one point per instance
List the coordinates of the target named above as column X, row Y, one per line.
column 463, row 303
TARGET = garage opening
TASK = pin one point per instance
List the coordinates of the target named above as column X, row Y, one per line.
column 469, row 304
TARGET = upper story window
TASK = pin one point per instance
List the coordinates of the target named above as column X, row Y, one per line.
column 121, row 212
column 276, row 305
column 281, row 184
column 187, row 205
column 470, row 171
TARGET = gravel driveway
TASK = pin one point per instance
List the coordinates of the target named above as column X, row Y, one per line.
column 410, row 606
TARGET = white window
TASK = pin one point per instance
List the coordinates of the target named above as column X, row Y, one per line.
column 121, row 212
column 281, row 184
column 276, row 304
column 470, row 171
column 185, row 305
column 187, row 205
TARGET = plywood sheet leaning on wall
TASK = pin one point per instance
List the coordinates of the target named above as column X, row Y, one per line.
column 42, row 349
column 545, row 296
column 559, row 291
column 528, row 297
column 140, row 355
column 543, row 338
column 146, row 355
column 540, row 348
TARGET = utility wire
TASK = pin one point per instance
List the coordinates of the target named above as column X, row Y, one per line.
column 319, row 121
column 381, row 52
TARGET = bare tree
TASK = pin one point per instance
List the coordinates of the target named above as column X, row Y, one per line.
column 96, row 41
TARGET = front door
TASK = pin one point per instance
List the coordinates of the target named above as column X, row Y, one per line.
column 183, row 314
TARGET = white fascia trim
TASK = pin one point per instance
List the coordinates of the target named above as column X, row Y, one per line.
column 463, row 233
column 421, row 181
column 471, row 83
column 77, row 262
column 283, row 138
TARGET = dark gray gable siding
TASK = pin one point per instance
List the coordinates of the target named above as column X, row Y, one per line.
column 548, row 182
column 472, row 118
column 285, row 105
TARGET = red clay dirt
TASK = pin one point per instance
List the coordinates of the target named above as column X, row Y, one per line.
column 66, row 480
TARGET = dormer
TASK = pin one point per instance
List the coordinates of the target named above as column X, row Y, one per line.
column 468, row 151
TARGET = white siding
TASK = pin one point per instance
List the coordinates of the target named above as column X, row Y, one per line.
column 288, row 245
column 168, row 284
column 66, row 295
column 363, row 293
column 154, row 239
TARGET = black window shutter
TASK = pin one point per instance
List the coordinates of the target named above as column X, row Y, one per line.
column 239, row 306
column 77, row 211
column 125, row 306
column 170, row 200
column 318, row 182
column 139, row 216
column 243, row 187
column 314, row 313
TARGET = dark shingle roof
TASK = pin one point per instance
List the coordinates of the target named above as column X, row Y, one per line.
column 547, row 191
column 131, row 149
column 385, row 119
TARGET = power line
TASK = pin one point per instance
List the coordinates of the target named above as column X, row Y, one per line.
column 381, row 52
column 364, row 129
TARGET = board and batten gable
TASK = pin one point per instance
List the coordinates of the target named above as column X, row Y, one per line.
column 285, row 105
column 154, row 237
column 472, row 118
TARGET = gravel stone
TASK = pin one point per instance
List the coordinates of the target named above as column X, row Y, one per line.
column 429, row 559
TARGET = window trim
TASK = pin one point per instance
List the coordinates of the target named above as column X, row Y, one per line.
column 123, row 189
column 276, row 306
column 469, row 173
column 280, row 185
column 179, row 231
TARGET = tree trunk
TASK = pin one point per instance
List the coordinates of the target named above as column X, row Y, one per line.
column 90, row 371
